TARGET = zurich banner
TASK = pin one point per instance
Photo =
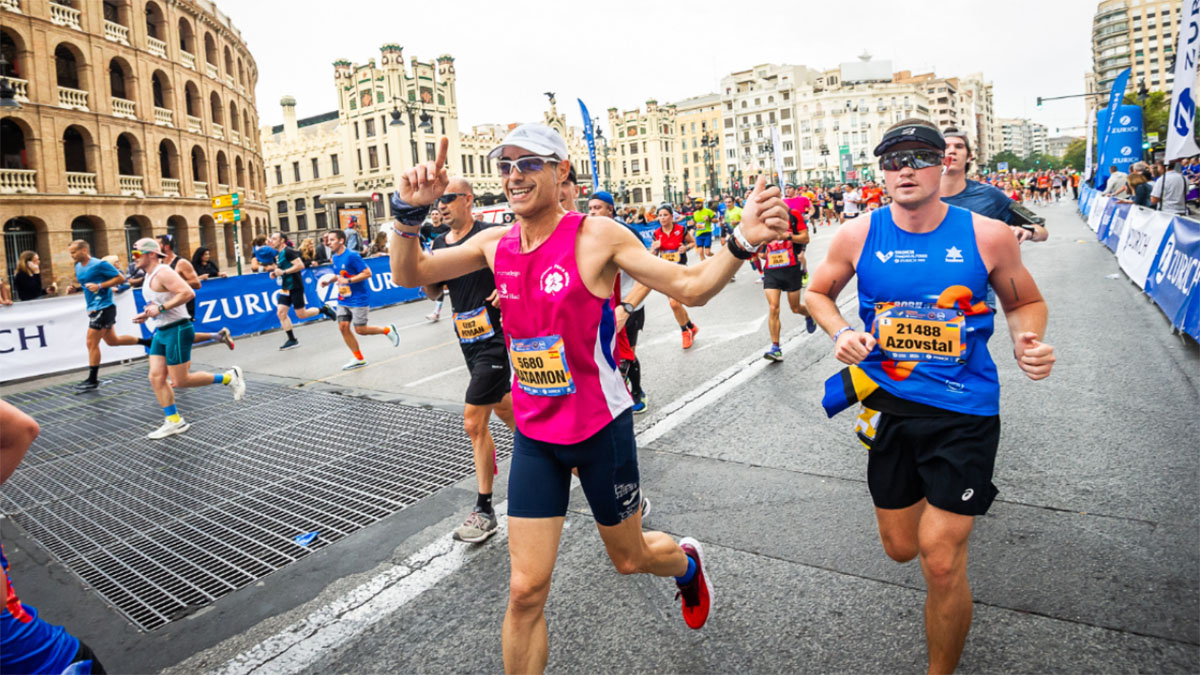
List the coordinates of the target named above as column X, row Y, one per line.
column 1123, row 144
column 1172, row 282
column 246, row 304
column 589, row 134
column 1181, row 125
column 1106, row 120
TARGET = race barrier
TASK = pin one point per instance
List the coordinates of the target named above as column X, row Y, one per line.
column 1158, row 252
column 47, row 336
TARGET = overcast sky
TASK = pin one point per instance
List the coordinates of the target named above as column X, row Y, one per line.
column 623, row 52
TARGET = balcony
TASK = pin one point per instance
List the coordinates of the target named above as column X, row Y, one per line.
column 194, row 125
column 218, row 132
column 116, row 32
column 72, row 98
column 170, row 187
column 17, row 181
column 188, row 60
column 156, row 47
column 201, row 189
column 229, row 79
column 62, row 15
column 124, row 108
column 20, row 87
column 131, row 186
column 234, row 136
column 222, row 188
column 164, row 117
column 211, row 70
column 11, row 5
column 81, row 183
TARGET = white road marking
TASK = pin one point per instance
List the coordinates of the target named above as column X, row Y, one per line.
column 435, row 376
column 302, row 643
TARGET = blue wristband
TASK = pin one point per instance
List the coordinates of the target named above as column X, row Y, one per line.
column 838, row 334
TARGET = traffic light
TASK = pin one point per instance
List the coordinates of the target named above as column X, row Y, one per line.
column 1039, row 101
column 1145, row 145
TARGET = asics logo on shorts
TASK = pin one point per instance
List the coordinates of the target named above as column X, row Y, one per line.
column 968, row 494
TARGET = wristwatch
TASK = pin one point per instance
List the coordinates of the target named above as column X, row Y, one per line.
column 161, row 308
column 628, row 307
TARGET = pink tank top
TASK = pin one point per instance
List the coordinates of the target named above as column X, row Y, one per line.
column 561, row 339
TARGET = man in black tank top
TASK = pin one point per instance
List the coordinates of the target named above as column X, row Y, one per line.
column 481, row 337
column 184, row 268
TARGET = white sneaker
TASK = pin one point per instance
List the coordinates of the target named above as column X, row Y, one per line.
column 354, row 363
column 224, row 337
column 237, row 383
column 393, row 335
column 168, row 428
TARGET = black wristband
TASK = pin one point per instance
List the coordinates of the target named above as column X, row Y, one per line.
column 736, row 249
column 407, row 214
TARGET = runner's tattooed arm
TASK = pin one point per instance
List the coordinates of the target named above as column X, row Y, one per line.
column 1024, row 308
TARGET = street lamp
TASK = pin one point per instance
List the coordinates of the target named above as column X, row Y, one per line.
column 604, row 147
column 824, row 164
column 709, row 142
column 426, row 124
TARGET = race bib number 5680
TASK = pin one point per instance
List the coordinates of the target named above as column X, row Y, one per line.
column 541, row 366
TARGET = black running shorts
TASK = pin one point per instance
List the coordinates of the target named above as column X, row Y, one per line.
column 947, row 460
column 103, row 319
column 491, row 379
column 290, row 298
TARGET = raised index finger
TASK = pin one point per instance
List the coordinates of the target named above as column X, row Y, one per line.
column 443, row 146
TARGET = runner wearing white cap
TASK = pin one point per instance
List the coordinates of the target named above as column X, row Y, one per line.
column 555, row 273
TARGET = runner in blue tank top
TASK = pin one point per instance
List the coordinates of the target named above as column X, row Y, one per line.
column 931, row 419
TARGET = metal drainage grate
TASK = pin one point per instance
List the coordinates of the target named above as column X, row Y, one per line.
column 161, row 528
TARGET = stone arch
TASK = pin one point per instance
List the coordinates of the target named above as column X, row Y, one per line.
column 250, row 174
column 187, row 37
column 210, row 49
column 156, row 23
column 234, row 122
column 241, row 73
column 121, row 79
column 91, row 229
column 193, row 104
column 239, row 173
column 199, row 164
column 136, row 227
column 15, row 137
column 177, row 227
column 228, row 62
column 168, row 159
column 79, row 150
column 26, row 233
column 222, row 168
column 208, row 235
column 218, row 115
column 15, row 50
column 118, row 11
column 129, row 155
column 161, row 91
column 69, row 66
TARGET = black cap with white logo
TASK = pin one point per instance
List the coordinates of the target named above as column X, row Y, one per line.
column 911, row 133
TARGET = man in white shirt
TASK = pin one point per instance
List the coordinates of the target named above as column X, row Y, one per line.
column 1116, row 182
column 1170, row 191
column 852, row 197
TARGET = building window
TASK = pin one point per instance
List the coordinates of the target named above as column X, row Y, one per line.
column 281, row 206
column 470, row 163
column 356, row 131
column 430, row 152
column 296, row 171
column 301, row 223
column 373, row 157
column 300, row 204
column 320, row 220
column 283, row 224
column 464, row 163
column 316, row 169
column 370, row 128
column 728, row 122
column 333, row 161
column 358, row 152
column 278, row 175
column 387, row 155
column 636, row 165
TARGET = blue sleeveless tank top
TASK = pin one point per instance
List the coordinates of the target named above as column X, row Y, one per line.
column 924, row 297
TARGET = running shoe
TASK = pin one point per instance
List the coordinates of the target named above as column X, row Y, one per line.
column 697, row 594
column 639, row 407
column 291, row 343
column 224, row 337
column 88, row 385
column 645, row 507
column 810, row 325
column 354, row 363
column 328, row 312
column 688, row 338
column 758, row 280
column 773, row 353
column 237, row 382
column 393, row 335
column 478, row 528
column 168, row 428
column 804, row 279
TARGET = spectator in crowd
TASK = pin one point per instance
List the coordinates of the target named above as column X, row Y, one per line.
column 1116, row 182
column 205, row 267
column 308, row 252
column 1170, row 191
column 5, row 294
column 324, row 255
column 379, row 247
column 353, row 239
column 27, row 282
column 262, row 257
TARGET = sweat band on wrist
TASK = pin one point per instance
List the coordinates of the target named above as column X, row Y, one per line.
column 744, row 242
column 841, row 330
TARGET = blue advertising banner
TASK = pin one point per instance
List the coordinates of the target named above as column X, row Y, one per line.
column 1173, row 280
column 1123, row 144
column 1107, row 218
column 1111, row 228
column 246, row 304
column 590, row 135
column 1106, row 120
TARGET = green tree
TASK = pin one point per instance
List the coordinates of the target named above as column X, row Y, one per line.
column 1014, row 162
column 1155, row 112
column 1076, row 154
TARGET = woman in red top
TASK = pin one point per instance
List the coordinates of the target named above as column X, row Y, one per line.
column 672, row 242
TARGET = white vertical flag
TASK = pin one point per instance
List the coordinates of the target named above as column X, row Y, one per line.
column 1087, row 161
column 778, row 145
column 1180, row 125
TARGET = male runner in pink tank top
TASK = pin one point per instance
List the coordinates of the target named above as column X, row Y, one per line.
column 555, row 273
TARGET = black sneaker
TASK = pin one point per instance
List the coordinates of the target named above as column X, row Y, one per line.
column 328, row 312
column 87, row 385
column 292, row 343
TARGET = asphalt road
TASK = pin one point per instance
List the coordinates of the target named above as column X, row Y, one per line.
column 1089, row 560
